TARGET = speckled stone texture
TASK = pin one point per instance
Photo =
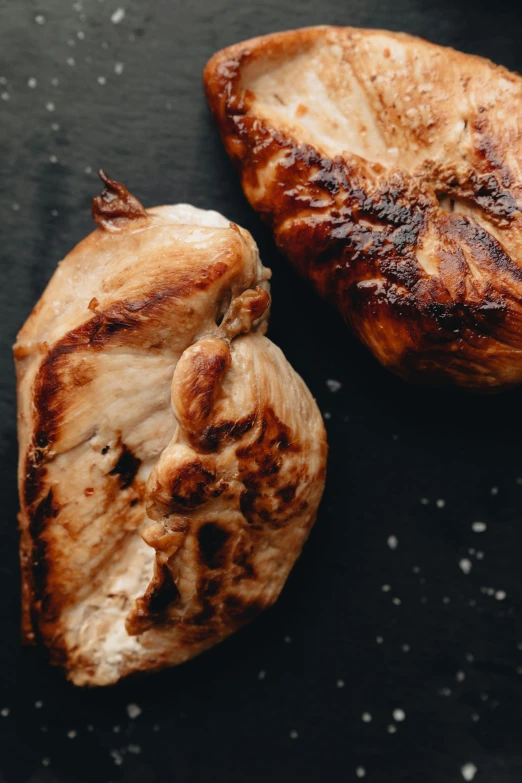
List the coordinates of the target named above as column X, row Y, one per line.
column 395, row 651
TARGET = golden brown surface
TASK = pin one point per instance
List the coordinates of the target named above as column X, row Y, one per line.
column 171, row 461
column 389, row 169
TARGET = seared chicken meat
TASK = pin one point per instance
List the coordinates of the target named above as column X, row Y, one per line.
column 171, row 461
column 389, row 169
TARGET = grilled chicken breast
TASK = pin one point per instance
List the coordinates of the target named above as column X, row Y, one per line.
column 171, row 461
column 390, row 172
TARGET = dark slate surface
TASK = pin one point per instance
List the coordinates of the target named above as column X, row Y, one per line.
column 284, row 699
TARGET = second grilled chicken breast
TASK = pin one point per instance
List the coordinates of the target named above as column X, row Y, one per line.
column 389, row 169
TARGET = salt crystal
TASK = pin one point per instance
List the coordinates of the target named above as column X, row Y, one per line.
column 392, row 729
column 478, row 527
column 424, row 501
column 71, row 61
column 81, row 35
column 118, row 16
column 500, row 595
column 494, row 491
column 118, row 68
column 32, row 82
column 38, row 705
column 4, row 712
column 39, row 19
column 118, row 760
column 396, row 601
column 46, row 762
column 340, row 683
column 136, row 749
column 71, row 734
column 360, row 772
column 460, row 676
column 386, row 588
column 133, row 711
column 261, row 675
column 468, row 771
column 333, row 385
column 399, row 715
column 393, row 542
column 5, row 96
column 440, row 503
column 366, row 717
column 101, row 80
column 294, row 734
column 50, row 106
column 379, row 639
column 465, row 565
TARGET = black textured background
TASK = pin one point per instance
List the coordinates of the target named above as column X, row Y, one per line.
column 336, row 645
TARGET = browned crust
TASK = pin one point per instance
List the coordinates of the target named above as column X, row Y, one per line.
column 438, row 328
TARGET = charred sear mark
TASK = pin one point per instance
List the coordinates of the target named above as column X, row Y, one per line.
column 191, row 487
column 215, row 434
column 212, row 540
column 153, row 606
column 260, row 464
column 241, row 611
column 46, row 510
column 126, row 467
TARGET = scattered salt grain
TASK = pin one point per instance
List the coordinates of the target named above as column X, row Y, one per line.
column 133, row 711
column 53, row 159
column 287, row 639
column 366, row 717
column 55, row 127
column 71, row 734
column 50, row 106
column 396, row 601
column 261, row 675
column 38, row 704
column 71, row 61
column 399, row 715
column 478, row 527
column 468, row 771
column 118, row 16
column 465, row 565
column 116, row 729
column 55, row 82
column 500, row 595
column 391, row 729
column 136, row 749
column 405, row 647
column 81, row 35
column 424, row 501
column 480, row 555
column 46, row 762
column 440, row 503
column 386, row 588
column 445, row 691
column 360, row 772
column 294, row 734
column 327, row 415
column 340, row 683
column 333, row 385
column 460, row 676
column 101, row 80
column 379, row 639
column 494, row 491
column 116, row 755
column 475, row 717
column 39, row 19
column 393, row 542
column 4, row 712
column 5, row 96
column 32, row 82
column 118, row 68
